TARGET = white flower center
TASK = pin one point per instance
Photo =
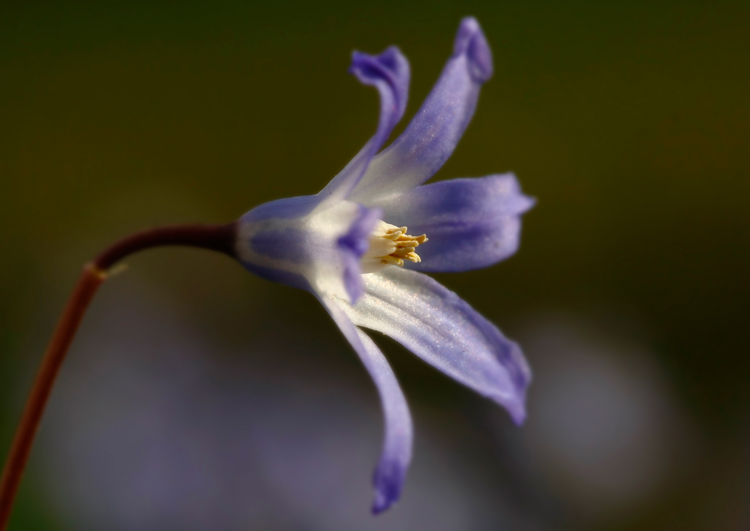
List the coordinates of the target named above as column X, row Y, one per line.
column 390, row 245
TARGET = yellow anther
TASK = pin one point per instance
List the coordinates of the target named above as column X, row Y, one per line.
column 391, row 260
column 391, row 245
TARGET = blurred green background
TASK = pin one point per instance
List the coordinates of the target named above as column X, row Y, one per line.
column 628, row 121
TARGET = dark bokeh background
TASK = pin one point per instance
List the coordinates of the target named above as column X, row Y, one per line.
column 200, row 397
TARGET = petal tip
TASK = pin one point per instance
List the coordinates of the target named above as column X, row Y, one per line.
column 529, row 203
column 470, row 40
column 509, row 183
column 390, row 66
column 380, row 505
column 388, row 481
column 518, row 415
column 515, row 407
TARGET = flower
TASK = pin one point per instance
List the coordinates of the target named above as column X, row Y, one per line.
column 348, row 245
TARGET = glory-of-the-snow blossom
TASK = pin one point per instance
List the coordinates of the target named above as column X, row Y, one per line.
column 361, row 244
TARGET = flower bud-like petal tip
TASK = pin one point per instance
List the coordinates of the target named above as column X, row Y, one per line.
column 471, row 41
column 390, row 66
column 388, row 481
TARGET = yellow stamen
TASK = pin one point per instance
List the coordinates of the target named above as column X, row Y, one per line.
column 405, row 245
column 390, row 245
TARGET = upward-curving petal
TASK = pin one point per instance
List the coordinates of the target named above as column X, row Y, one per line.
column 434, row 132
column 389, row 73
column 390, row 472
column 470, row 223
column 446, row 332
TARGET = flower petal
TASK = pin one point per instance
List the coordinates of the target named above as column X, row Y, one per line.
column 389, row 73
column 394, row 461
column 470, row 223
column 353, row 245
column 446, row 332
column 318, row 251
column 432, row 135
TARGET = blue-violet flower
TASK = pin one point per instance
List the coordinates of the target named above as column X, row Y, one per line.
column 348, row 245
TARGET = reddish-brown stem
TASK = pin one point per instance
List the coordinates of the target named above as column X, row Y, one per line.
column 214, row 237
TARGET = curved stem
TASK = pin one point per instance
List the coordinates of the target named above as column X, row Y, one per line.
column 214, row 237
